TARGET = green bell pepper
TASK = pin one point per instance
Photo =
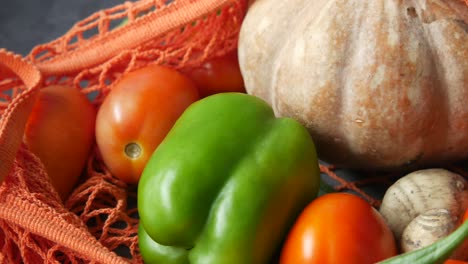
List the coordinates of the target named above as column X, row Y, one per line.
column 226, row 184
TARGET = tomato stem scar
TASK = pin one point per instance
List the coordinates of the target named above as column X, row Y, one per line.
column 133, row 150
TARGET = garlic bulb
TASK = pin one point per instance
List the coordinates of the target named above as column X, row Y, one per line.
column 420, row 191
column 427, row 228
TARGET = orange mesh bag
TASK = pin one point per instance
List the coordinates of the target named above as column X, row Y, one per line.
column 99, row 218
column 96, row 220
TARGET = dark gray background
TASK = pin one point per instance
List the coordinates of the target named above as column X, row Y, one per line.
column 26, row 23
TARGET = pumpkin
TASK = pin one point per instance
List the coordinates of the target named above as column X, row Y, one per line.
column 379, row 84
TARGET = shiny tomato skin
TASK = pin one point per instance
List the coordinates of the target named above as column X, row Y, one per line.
column 60, row 131
column 338, row 228
column 218, row 75
column 454, row 261
column 139, row 111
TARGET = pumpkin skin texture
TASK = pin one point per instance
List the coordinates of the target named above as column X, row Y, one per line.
column 378, row 84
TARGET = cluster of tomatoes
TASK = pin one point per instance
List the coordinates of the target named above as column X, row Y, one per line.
column 132, row 120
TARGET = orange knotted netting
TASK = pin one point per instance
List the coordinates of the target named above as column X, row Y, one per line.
column 100, row 217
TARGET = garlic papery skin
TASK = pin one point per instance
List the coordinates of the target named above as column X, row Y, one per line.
column 427, row 228
column 421, row 191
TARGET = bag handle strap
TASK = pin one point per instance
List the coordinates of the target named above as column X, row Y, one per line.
column 14, row 118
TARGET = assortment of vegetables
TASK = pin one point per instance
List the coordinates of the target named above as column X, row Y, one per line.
column 229, row 173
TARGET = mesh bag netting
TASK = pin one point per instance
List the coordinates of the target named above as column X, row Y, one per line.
column 100, row 217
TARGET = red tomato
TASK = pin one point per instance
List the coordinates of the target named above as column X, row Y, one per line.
column 218, row 75
column 136, row 116
column 454, row 261
column 338, row 228
column 60, row 131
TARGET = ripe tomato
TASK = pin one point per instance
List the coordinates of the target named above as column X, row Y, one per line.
column 136, row 116
column 454, row 261
column 60, row 131
column 218, row 75
column 338, row 228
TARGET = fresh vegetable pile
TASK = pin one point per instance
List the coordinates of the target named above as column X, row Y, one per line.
column 222, row 155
